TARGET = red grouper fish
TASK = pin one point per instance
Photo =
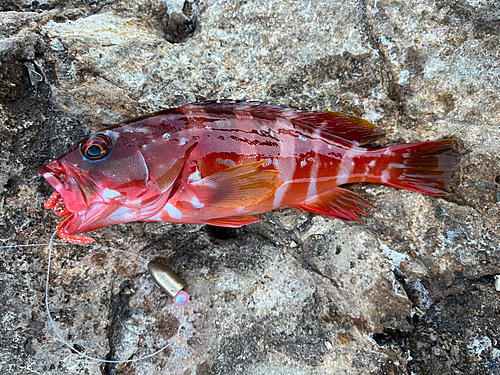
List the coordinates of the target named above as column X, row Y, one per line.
column 220, row 163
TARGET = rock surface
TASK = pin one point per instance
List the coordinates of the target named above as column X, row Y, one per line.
column 409, row 290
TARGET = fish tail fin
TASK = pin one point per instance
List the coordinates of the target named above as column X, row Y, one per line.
column 427, row 167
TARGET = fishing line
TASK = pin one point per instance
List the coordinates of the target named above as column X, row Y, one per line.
column 60, row 335
column 36, row 244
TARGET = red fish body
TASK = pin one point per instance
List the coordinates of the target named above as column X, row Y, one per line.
column 220, row 163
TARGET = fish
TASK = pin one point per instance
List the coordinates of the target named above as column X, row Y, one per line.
column 224, row 162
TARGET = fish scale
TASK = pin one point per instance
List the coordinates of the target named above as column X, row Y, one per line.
column 221, row 163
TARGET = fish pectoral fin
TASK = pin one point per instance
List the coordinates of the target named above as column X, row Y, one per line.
column 237, row 186
column 338, row 202
column 233, row 221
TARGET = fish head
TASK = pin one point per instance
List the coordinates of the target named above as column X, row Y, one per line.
column 103, row 180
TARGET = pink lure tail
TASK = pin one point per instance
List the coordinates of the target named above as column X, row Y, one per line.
column 426, row 167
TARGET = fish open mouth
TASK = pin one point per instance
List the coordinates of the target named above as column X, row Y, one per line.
column 67, row 200
column 56, row 202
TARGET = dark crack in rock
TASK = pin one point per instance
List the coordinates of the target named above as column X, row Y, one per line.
column 121, row 312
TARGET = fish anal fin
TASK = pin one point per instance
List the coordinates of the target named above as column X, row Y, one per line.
column 340, row 203
column 237, row 186
column 233, row 221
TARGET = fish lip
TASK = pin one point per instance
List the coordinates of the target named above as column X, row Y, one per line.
column 85, row 210
column 67, row 183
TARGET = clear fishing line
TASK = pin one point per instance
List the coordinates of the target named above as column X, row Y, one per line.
column 53, row 324
column 32, row 245
column 59, row 334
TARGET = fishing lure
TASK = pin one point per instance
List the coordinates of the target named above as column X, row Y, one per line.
column 221, row 163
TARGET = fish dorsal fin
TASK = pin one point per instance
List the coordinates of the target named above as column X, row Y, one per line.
column 339, row 203
column 347, row 127
column 233, row 221
column 237, row 186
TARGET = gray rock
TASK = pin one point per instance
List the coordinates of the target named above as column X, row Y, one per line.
column 409, row 290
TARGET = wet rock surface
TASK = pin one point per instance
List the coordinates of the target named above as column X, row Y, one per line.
column 409, row 290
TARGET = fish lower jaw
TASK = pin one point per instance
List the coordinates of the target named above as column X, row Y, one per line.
column 77, row 240
column 56, row 203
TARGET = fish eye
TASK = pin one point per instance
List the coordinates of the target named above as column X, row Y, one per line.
column 97, row 147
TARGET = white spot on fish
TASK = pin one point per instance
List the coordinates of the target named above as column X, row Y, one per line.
column 183, row 141
column 372, row 163
column 110, row 194
column 196, row 203
column 135, row 203
column 329, row 147
column 227, row 162
column 395, row 165
column 302, row 138
column 173, row 212
column 386, row 175
column 275, row 163
column 267, row 163
column 366, row 172
column 311, row 190
column 388, row 152
column 303, row 163
column 142, row 129
column 271, row 133
column 124, row 213
column 289, row 164
column 263, row 129
column 166, row 136
column 195, row 176
column 113, row 134
column 345, row 169
column 240, row 115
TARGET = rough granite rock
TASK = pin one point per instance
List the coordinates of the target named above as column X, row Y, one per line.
column 411, row 290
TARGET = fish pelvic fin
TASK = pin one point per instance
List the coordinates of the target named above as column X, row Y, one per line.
column 340, row 203
column 427, row 167
column 237, row 186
